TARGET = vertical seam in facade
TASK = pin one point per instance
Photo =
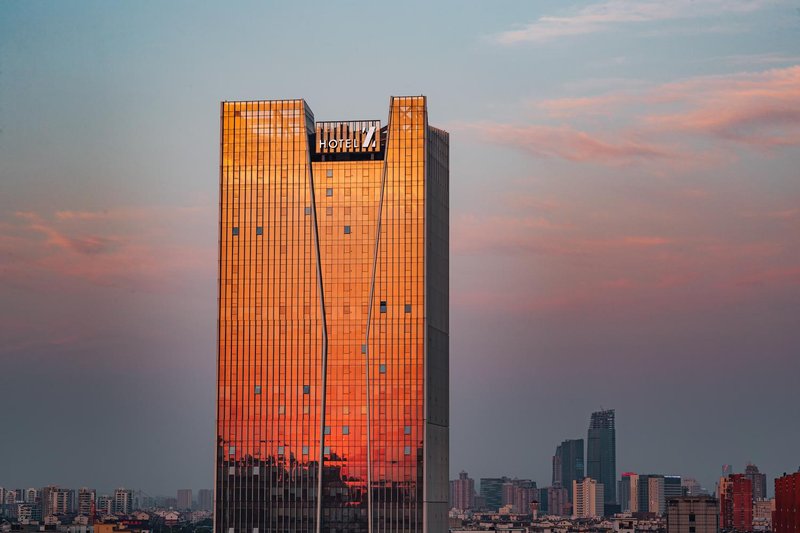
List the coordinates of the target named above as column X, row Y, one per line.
column 369, row 322
column 324, row 358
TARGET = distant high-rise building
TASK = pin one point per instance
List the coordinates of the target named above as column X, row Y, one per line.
column 736, row 503
column 492, row 491
column 601, row 453
column 692, row 514
column 205, row 499
column 558, row 501
column 463, row 492
column 123, row 501
column 519, row 493
column 57, row 501
column 692, row 487
column 86, row 501
column 656, row 503
column 184, row 499
column 31, row 495
column 105, row 505
column 787, row 504
column 672, row 488
column 629, row 492
column 542, row 498
column 587, row 498
column 569, row 458
column 758, row 480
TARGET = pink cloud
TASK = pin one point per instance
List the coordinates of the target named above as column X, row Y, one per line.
column 566, row 142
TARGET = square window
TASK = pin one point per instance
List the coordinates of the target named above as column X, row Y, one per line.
column 407, row 430
column 345, row 430
column 408, row 308
column 363, row 348
column 383, row 306
column 235, row 231
column 307, row 210
column 256, row 470
column 280, row 450
column 329, row 173
column 305, row 450
column 231, row 450
column 382, row 368
column 347, row 230
column 329, row 191
column 259, row 230
column 327, row 450
column 691, row 517
column 231, row 470
column 407, row 450
column 327, row 430
column 306, row 389
column 258, row 389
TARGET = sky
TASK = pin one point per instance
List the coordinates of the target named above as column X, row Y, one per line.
column 625, row 221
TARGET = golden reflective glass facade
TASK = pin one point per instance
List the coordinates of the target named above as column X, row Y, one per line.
column 333, row 321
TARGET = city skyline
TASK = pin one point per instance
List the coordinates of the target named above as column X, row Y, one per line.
column 625, row 231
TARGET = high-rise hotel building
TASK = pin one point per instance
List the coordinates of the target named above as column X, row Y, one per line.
column 332, row 410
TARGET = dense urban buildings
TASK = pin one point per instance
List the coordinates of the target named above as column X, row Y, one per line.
column 333, row 321
column 601, row 453
column 491, row 490
column 568, row 464
column 787, row 504
column 692, row 514
column 735, row 503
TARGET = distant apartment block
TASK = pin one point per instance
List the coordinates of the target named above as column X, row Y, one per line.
column 736, row 503
column 462, row 492
column 787, row 504
column 588, row 498
column 692, row 514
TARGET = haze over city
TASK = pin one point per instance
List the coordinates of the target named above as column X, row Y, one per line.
column 625, row 231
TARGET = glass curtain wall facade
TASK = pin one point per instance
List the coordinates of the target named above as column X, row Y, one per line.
column 333, row 321
column 601, row 454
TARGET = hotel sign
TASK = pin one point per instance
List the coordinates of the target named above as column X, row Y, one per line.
column 348, row 137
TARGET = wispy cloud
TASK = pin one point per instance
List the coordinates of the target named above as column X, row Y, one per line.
column 566, row 142
column 603, row 16
column 657, row 123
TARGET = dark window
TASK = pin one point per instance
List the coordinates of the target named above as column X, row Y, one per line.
column 329, row 173
column 408, row 308
column 382, row 368
column 691, row 517
column 235, row 231
column 691, row 529
column 383, row 306
column 280, row 450
column 305, row 450
column 258, row 389
column 407, row 450
column 347, row 230
column 327, row 450
column 407, row 430
column 327, row 430
column 308, row 210
column 306, row 389
column 329, row 192
column 259, row 230
column 345, row 430
column 363, row 348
